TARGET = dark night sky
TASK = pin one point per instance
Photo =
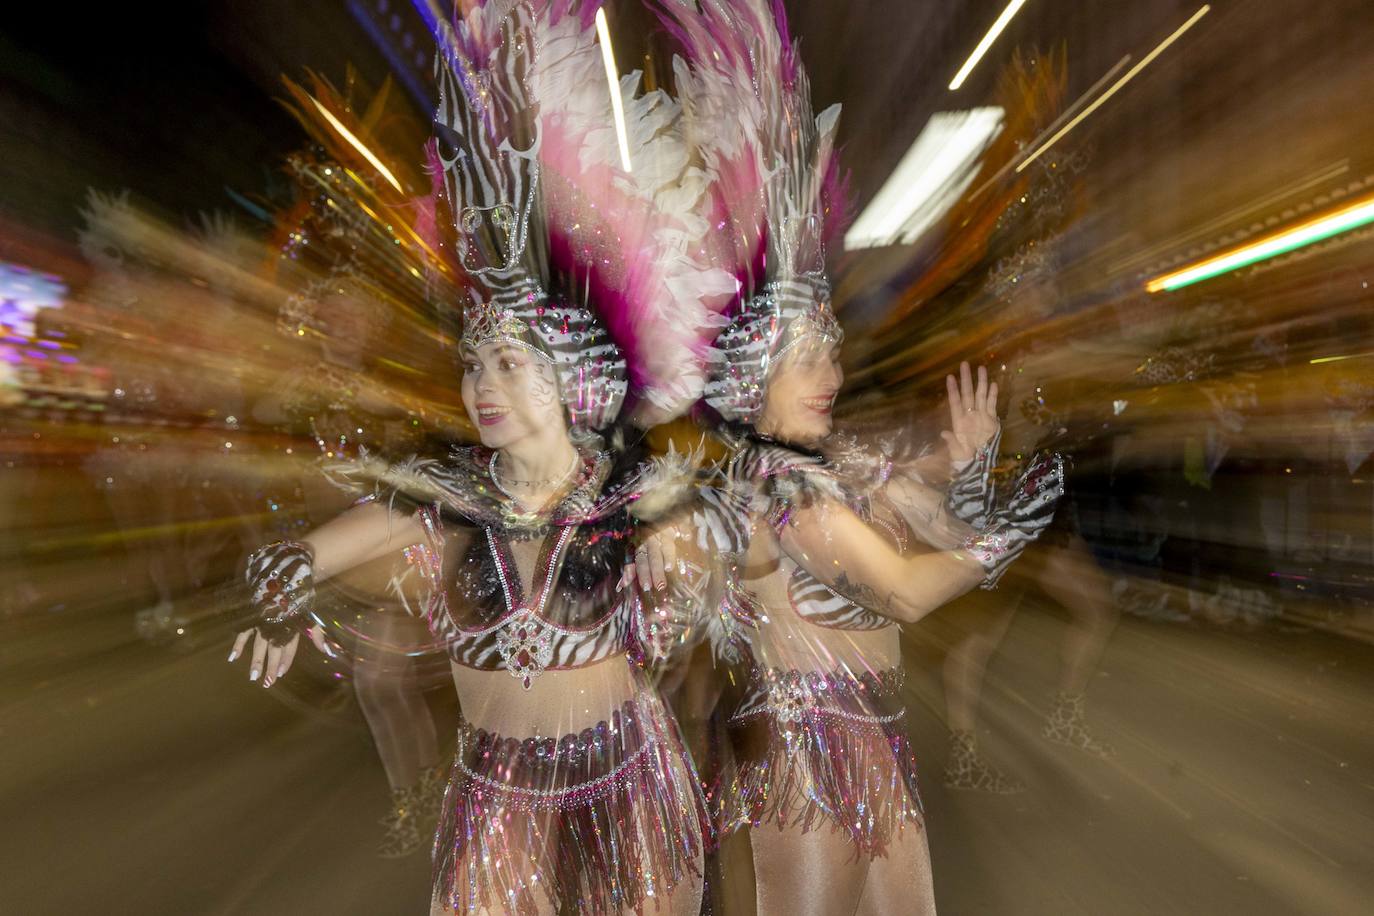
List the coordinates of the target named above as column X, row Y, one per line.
column 175, row 104
column 171, row 107
column 178, row 103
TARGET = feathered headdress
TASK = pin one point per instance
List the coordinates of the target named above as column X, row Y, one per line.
column 778, row 192
column 560, row 240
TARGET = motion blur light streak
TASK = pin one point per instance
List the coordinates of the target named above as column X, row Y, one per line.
column 1234, row 216
column 1116, row 87
column 935, row 171
column 1053, row 126
column 988, row 39
column 613, row 86
column 1344, row 220
column 358, row 145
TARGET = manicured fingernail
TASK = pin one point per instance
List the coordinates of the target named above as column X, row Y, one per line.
column 233, row 654
column 253, row 675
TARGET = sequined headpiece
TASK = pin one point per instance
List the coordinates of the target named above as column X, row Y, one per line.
column 777, row 180
column 762, row 331
column 589, row 366
column 485, row 322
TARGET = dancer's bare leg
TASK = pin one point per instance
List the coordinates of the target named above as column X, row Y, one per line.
column 134, row 505
column 440, row 909
column 1070, row 575
column 685, row 900
column 900, row 882
column 395, row 708
column 807, row 874
column 532, row 851
column 988, row 617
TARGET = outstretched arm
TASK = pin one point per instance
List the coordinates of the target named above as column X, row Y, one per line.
column 282, row 577
column 360, row 535
column 926, row 511
column 837, row 547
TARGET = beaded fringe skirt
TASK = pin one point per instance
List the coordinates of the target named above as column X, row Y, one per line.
column 599, row 822
column 820, row 750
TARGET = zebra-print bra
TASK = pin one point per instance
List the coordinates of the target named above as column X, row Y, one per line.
column 817, row 603
column 788, row 476
column 573, row 616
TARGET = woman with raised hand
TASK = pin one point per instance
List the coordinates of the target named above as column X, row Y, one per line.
column 817, row 539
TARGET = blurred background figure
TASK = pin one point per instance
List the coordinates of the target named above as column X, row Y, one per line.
column 330, row 399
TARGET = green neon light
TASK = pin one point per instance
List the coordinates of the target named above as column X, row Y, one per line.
column 1292, row 240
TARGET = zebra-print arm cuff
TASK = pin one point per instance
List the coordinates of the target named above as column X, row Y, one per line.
column 970, row 497
column 281, row 583
column 1014, row 527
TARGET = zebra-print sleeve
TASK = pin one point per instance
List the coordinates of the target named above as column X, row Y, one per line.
column 1012, row 528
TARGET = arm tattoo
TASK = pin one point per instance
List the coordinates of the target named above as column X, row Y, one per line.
column 863, row 594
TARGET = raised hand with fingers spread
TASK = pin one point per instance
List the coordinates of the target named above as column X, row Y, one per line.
column 973, row 417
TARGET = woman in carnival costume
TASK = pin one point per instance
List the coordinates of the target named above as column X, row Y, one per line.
column 570, row 789
column 818, row 537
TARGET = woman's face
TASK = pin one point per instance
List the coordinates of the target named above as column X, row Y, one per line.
column 509, row 393
column 801, row 393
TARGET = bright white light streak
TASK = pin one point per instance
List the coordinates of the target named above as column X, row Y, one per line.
column 357, row 145
column 1115, row 87
column 986, row 43
column 613, row 83
column 934, row 172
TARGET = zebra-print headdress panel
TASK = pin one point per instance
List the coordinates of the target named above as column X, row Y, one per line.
column 775, row 163
column 590, row 367
column 487, row 149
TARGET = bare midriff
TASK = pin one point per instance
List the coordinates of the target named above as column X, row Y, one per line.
column 558, row 702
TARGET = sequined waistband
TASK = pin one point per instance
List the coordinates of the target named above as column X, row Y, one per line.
column 789, row 696
column 575, row 769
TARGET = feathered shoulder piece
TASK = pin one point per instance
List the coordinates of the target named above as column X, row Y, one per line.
column 464, row 488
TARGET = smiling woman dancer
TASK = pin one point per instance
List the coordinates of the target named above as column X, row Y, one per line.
column 823, row 574
column 571, row 790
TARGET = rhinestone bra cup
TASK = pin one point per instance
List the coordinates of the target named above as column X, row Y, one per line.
column 524, row 639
